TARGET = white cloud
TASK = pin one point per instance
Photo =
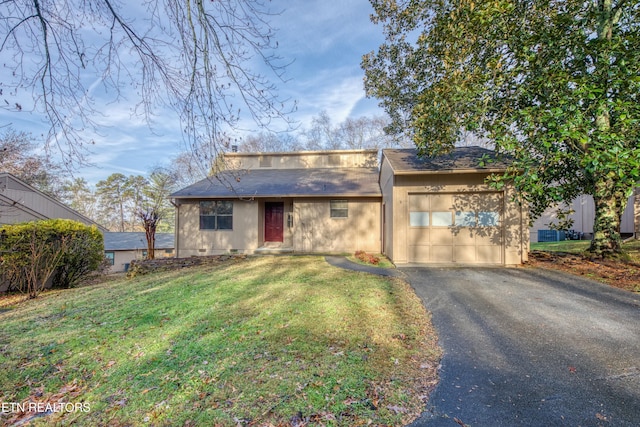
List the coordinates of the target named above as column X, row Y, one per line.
column 325, row 39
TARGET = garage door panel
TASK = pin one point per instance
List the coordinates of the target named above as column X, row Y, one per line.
column 489, row 254
column 441, row 236
column 490, row 202
column 418, row 236
column 441, row 202
column 461, row 228
column 465, row 254
column 464, row 236
column 442, row 254
column 419, row 203
column 418, row 253
column 489, row 236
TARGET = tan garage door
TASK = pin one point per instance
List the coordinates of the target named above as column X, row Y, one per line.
column 461, row 228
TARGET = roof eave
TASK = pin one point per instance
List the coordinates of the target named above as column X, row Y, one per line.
column 265, row 196
column 449, row 171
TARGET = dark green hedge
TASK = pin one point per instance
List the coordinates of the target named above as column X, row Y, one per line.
column 72, row 248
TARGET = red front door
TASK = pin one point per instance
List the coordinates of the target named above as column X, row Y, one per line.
column 273, row 221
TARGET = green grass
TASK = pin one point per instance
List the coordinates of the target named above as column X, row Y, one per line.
column 568, row 246
column 631, row 248
column 261, row 341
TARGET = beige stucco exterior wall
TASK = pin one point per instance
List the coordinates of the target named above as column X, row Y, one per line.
column 121, row 258
column 191, row 241
column 516, row 222
column 303, row 159
column 386, row 184
column 514, row 218
column 315, row 231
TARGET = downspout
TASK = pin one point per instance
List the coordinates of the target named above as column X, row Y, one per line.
column 176, row 231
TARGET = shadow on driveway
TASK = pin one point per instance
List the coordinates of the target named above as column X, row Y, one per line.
column 531, row 347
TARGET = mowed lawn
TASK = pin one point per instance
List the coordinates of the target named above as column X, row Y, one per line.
column 261, row 341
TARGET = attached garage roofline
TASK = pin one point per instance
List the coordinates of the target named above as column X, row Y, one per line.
column 462, row 160
column 293, row 195
column 447, row 171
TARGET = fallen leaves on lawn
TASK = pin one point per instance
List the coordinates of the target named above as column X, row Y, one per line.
column 51, row 403
column 619, row 274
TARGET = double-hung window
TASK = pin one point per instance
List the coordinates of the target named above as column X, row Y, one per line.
column 339, row 209
column 216, row 215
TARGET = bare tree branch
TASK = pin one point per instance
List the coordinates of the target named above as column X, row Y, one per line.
column 202, row 59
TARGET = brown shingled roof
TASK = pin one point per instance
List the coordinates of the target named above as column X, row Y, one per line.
column 325, row 182
column 461, row 159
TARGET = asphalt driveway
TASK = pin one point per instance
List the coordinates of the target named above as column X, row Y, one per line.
column 531, row 347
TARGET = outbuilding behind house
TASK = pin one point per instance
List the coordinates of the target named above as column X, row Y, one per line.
column 120, row 248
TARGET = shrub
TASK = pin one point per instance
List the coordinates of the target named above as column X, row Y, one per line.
column 60, row 250
column 84, row 252
column 368, row 258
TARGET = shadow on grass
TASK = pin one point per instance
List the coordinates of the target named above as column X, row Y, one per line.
column 263, row 341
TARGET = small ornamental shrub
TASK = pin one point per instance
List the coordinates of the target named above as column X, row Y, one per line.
column 367, row 258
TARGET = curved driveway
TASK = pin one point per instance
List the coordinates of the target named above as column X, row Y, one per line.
column 531, row 347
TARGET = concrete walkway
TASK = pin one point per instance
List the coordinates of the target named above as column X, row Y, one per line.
column 344, row 263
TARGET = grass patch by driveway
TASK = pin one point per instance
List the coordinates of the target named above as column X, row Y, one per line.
column 570, row 256
column 264, row 341
column 567, row 246
column 383, row 261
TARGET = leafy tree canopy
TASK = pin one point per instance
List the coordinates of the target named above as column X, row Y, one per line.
column 554, row 85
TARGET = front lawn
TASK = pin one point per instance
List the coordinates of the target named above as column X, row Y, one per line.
column 262, row 341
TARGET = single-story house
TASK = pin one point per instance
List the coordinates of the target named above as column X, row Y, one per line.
column 120, row 248
column 413, row 210
column 20, row 202
column 286, row 202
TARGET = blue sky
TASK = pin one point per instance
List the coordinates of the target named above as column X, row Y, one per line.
column 325, row 41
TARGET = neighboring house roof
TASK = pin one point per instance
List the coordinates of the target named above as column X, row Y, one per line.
column 128, row 241
column 16, row 196
column 323, row 182
column 461, row 159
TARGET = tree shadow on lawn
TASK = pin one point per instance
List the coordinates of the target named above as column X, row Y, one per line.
column 231, row 343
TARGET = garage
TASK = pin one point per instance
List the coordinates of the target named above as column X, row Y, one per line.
column 455, row 228
column 441, row 210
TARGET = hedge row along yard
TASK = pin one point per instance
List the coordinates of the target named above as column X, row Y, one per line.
column 260, row 341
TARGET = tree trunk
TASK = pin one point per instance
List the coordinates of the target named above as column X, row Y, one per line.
column 610, row 204
column 151, row 241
